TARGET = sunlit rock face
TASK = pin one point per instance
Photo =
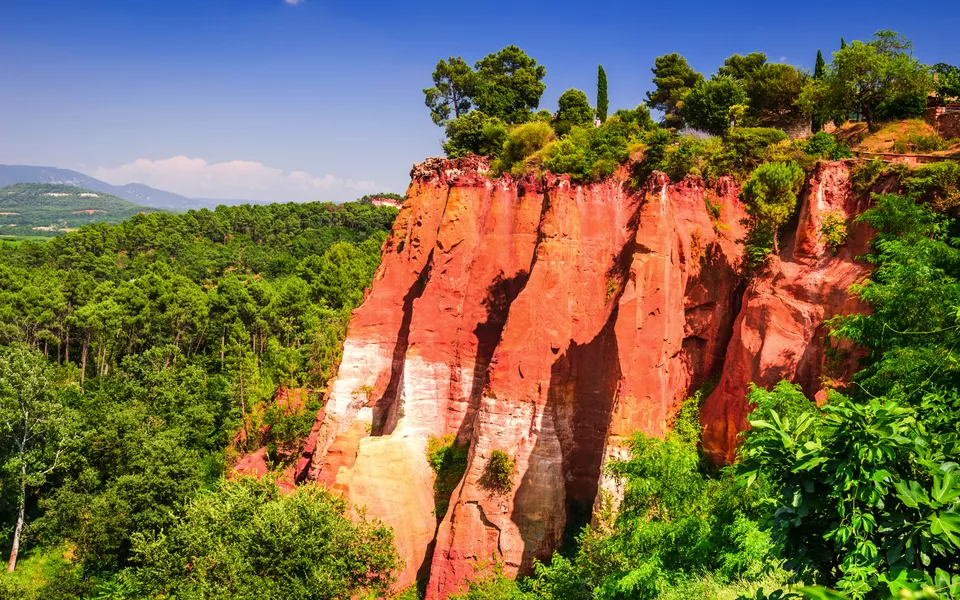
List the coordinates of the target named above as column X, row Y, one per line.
column 550, row 320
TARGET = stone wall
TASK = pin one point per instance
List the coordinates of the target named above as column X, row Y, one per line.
column 945, row 120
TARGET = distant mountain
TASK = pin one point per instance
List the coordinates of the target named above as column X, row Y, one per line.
column 138, row 193
column 50, row 208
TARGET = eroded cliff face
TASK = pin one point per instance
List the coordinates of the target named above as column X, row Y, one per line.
column 780, row 333
column 552, row 320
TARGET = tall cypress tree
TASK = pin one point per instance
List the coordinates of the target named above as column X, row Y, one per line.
column 819, row 70
column 602, row 102
column 843, row 43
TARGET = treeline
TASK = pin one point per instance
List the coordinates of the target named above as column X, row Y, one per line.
column 136, row 360
column 491, row 108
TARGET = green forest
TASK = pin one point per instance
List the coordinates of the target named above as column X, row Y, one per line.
column 136, row 360
column 139, row 359
column 46, row 209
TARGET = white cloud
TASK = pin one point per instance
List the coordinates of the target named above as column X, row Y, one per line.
column 294, row 2
column 236, row 179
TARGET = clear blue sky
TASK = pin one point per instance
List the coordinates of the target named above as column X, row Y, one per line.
column 330, row 91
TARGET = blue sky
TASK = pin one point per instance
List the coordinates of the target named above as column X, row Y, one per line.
column 316, row 99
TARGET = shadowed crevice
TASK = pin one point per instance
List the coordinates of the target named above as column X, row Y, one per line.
column 384, row 411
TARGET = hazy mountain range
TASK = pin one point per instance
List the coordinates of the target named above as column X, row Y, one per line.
column 138, row 193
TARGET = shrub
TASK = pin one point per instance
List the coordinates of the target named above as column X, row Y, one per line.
column 250, row 540
column 639, row 116
column 937, row 184
column 692, row 156
column 522, row 142
column 589, row 152
column 833, row 230
column 920, row 143
column 497, row 475
column 449, row 462
column 744, row 147
column 474, row 133
column 824, row 145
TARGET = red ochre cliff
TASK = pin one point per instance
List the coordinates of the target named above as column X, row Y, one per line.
column 551, row 320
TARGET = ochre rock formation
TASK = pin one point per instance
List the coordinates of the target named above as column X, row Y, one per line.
column 551, row 320
column 779, row 333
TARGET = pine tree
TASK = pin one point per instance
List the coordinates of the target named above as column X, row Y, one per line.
column 603, row 104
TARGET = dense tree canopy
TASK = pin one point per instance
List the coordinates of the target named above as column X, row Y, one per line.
column 865, row 75
column 573, row 109
column 707, row 106
column 674, row 79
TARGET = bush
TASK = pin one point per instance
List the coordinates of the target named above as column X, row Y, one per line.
column 522, row 142
column 938, row 184
column 591, row 152
column 824, row 145
column 474, row 133
column 250, row 540
column 833, row 230
column 693, row 156
column 640, row 116
column 449, row 462
column 920, row 143
column 498, row 474
column 744, row 147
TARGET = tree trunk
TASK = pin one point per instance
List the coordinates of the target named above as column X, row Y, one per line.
column 15, row 549
column 868, row 114
column 83, row 360
column 223, row 343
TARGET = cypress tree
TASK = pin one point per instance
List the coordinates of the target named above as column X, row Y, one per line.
column 843, row 43
column 819, row 70
column 602, row 102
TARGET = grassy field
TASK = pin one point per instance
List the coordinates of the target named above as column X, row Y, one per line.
column 19, row 239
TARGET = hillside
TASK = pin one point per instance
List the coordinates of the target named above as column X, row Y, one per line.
column 48, row 209
column 137, row 193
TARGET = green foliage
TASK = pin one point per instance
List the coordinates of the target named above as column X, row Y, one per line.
column 449, row 461
column 676, row 528
column 833, row 230
column 770, row 196
column 474, row 133
column 674, row 79
column 498, row 472
column 639, row 116
column 707, row 106
column 574, row 110
column 937, row 184
column 866, row 493
column 774, row 92
column 454, row 83
column 820, row 116
column 591, row 152
column 505, row 85
column 56, row 207
column 522, row 142
column 603, row 103
column 947, row 82
column 509, row 85
column 742, row 68
column 249, row 540
column 172, row 334
column 824, row 145
column 745, row 147
column 920, row 143
column 864, row 77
